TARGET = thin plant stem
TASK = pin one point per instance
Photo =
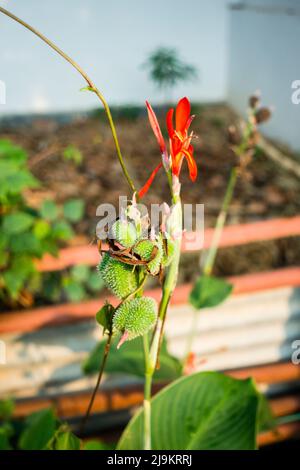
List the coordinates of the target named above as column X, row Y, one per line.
column 102, row 367
column 209, row 262
column 91, row 87
column 212, row 252
column 147, row 395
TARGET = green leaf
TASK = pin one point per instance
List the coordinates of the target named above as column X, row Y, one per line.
column 95, row 281
column 21, row 269
column 6, row 432
column 17, row 223
column 129, row 359
column 26, row 243
column 74, row 290
column 104, row 317
column 64, row 439
column 73, row 210
column 39, row 429
column 41, row 229
column 73, row 154
column 204, row 411
column 97, row 445
column 80, row 272
column 62, row 230
column 209, row 291
column 6, row 409
column 49, row 210
column 266, row 419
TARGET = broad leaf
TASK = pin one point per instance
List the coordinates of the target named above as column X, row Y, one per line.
column 204, row 411
column 209, row 291
column 129, row 359
column 64, row 439
column 39, row 429
column 17, row 223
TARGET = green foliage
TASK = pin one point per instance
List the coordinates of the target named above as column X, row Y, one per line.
column 204, row 411
column 75, row 284
column 63, row 439
column 26, row 233
column 104, row 317
column 39, row 429
column 166, row 69
column 129, row 359
column 73, row 210
column 73, row 154
column 209, row 291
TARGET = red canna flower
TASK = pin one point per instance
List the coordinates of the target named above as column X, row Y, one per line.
column 179, row 141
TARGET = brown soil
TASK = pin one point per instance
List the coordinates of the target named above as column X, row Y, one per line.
column 270, row 192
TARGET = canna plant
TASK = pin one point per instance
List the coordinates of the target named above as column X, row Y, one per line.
column 204, row 410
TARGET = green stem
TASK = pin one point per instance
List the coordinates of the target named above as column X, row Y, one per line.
column 91, row 87
column 209, row 262
column 152, row 353
column 147, row 395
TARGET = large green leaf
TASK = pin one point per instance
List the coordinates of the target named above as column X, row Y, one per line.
column 204, row 411
column 73, row 209
column 209, row 291
column 129, row 359
column 39, row 429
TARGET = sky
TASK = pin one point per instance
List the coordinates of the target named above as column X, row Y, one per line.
column 110, row 40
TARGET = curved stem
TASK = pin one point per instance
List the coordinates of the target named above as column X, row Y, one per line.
column 147, row 395
column 102, row 367
column 91, row 87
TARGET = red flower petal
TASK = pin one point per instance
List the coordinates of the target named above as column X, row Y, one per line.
column 156, row 129
column 148, row 183
column 183, row 111
column 191, row 163
column 169, row 120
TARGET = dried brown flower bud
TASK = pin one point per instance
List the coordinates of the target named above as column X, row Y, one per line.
column 262, row 115
column 253, row 101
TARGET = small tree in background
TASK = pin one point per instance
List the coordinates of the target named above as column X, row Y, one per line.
column 166, row 69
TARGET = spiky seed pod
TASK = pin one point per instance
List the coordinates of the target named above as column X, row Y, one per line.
column 124, row 232
column 154, row 265
column 144, row 249
column 168, row 256
column 135, row 317
column 120, row 278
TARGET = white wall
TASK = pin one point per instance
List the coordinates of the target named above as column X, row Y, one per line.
column 110, row 39
column 264, row 47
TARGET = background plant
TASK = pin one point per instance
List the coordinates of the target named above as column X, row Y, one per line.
column 27, row 233
column 166, row 68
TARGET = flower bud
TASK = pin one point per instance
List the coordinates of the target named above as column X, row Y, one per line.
column 254, row 101
column 262, row 115
column 124, row 232
column 120, row 278
column 233, row 135
column 135, row 317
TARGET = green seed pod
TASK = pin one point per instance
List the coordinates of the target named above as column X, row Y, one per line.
column 168, row 256
column 120, row 278
column 144, row 249
column 124, row 232
column 154, row 265
column 135, row 317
